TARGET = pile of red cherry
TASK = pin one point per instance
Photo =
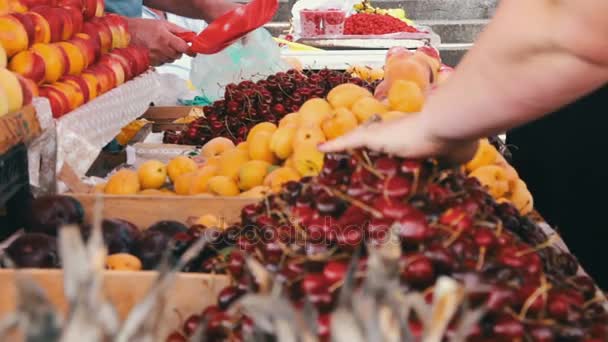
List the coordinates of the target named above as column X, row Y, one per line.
column 248, row 103
column 447, row 225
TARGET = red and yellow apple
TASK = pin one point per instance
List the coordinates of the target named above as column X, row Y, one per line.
column 54, row 61
column 80, row 83
column 97, row 27
column 75, row 13
column 128, row 65
column 115, row 66
column 105, row 76
column 54, row 19
column 59, row 102
column 88, row 45
column 28, row 64
column 29, row 89
column 118, row 27
column 75, row 57
column 42, row 30
column 11, row 86
column 92, row 84
column 28, row 25
column 13, row 36
column 72, row 93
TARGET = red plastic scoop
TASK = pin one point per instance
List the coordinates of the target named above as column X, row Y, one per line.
column 231, row 26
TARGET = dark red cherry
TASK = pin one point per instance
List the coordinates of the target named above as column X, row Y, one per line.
column 191, row 324
column 419, row 271
column 509, row 328
column 387, row 166
column 334, row 271
column 413, row 227
column 314, row 283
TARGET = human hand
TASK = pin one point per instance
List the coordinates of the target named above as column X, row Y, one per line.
column 406, row 137
column 159, row 37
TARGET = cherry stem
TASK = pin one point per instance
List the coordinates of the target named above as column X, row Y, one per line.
column 537, row 248
column 356, row 203
column 596, row 299
column 540, row 291
column 481, row 260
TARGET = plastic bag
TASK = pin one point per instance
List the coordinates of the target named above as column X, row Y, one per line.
column 346, row 6
column 255, row 57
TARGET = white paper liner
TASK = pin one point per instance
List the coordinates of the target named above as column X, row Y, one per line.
column 83, row 132
column 43, row 147
column 163, row 152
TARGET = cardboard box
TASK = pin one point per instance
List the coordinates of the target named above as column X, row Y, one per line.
column 21, row 126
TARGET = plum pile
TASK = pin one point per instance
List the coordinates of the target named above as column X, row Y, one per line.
column 248, row 103
column 446, row 224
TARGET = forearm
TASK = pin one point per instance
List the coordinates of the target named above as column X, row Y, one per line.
column 535, row 57
column 207, row 10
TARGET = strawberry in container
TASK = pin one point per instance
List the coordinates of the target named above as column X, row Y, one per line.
column 320, row 22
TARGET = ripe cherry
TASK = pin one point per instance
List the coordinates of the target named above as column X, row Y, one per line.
column 419, row 271
column 191, row 324
column 227, row 296
column 409, row 166
column 322, row 301
column 236, row 262
column 397, row 187
column 541, row 334
column 349, row 237
column 392, row 209
column 509, row 256
column 413, row 227
column 245, row 244
column 585, row 285
column 457, row 218
column 323, row 324
column 387, row 166
column 508, row 328
column 209, row 312
column 334, row 271
column 314, row 283
column 500, row 296
column 443, row 259
column 176, row 337
column 484, row 238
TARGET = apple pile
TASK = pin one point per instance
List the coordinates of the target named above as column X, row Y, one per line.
column 248, row 103
column 67, row 51
column 446, row 225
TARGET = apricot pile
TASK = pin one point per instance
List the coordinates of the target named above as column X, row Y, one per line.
column 491, row 169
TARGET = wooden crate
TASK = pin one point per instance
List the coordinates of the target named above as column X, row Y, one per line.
column 189, row 294
column 146, row 210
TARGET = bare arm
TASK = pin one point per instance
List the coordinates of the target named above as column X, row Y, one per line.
column 207, row 10
column 533, row 58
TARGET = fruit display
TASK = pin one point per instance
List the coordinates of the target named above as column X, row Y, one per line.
column 422, row 223
column 68, row 52
column 366, row 7
column 248, row 103
column 375, row 24
column 365, row 21
column 366, row 73
column 321, row 22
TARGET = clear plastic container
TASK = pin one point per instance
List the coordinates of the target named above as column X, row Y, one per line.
column 320, row 22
